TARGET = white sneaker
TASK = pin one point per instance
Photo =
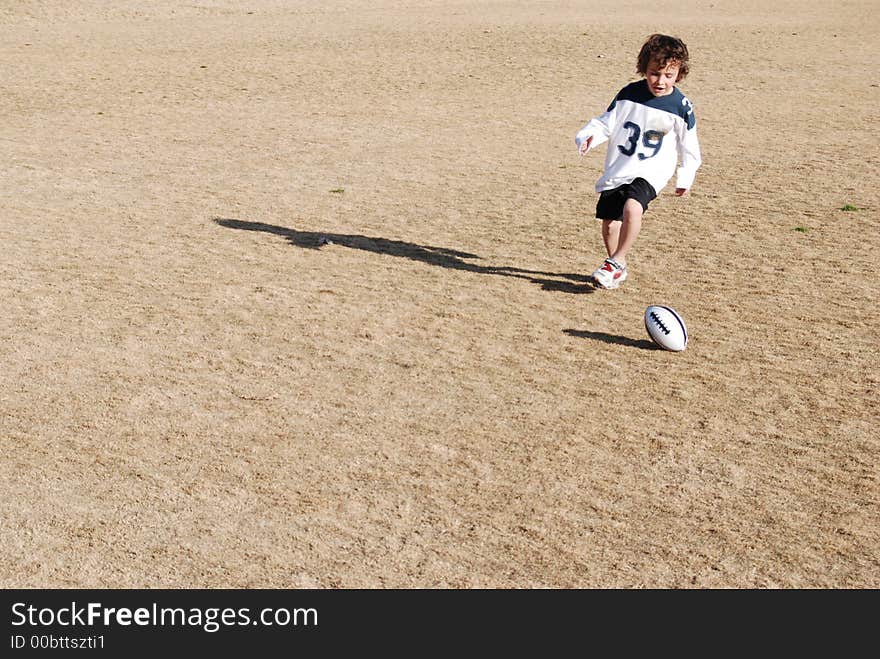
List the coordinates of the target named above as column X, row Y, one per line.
column 610, row 274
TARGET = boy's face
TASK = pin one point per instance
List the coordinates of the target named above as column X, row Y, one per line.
column 662, row 77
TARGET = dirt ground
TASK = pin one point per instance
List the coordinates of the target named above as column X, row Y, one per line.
column 295, row 295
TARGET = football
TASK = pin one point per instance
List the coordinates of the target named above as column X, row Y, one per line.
column 666, row 328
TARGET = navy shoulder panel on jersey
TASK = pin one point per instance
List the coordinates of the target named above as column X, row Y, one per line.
column 674, row 103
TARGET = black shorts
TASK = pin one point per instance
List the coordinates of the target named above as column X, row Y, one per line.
column 610, row 204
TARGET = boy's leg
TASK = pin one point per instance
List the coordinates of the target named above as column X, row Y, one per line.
column 611, row 274
column 627, row 232
column 610, row 235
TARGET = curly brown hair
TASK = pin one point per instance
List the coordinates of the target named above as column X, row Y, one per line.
column 663, row 49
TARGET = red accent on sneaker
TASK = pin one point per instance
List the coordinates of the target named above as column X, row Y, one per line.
column 610, row 274
column 616, row 272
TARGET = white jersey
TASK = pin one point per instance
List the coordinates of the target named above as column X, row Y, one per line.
column 649, row 136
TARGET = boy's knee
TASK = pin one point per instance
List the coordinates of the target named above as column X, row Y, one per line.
column 633, row 208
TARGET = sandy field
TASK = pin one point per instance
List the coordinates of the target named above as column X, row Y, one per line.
column 295, row 295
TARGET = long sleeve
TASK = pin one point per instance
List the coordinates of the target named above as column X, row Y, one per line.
column 689, row 157
column 599, row 128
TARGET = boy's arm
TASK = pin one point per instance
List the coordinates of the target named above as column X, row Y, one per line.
column 596, row 132
column 689, row 159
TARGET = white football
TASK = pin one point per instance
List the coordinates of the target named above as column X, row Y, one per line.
column 666, row 328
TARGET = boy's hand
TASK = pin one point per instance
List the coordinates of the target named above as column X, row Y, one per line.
column 585, row 145
column 680, row 192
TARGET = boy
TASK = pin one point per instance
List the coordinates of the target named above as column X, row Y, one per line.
column 652, row 129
